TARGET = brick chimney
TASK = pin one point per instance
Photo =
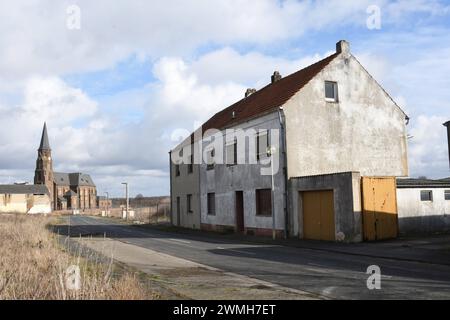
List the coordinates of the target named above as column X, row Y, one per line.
column 276, row 76
column 447, row 124
column 343, row 47
column 249, row 92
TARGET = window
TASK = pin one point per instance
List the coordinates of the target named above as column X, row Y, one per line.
column 210, row 158
column 191, row 165
column 262, row 144
column 177, row 170
column 426, row 195
column 447, row 194
column 331, row 91
column 189, row 203
column 232, row 153
column 263, row 202
column 211, row 204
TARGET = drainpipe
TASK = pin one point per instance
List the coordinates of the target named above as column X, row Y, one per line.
column 447, row 124
column 171, row 194
column 284, row 155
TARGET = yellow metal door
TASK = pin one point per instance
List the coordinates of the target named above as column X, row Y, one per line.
column 379, row 208
column 318, row 215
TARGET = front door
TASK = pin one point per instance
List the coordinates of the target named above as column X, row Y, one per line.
column 239, row 211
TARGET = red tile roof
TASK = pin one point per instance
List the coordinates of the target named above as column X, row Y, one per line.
column 266, row 99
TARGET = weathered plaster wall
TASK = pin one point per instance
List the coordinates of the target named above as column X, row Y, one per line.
column 182, row 185
column 347, row 203
column 364, row 131
column 416, row 216
column 24, row 203
column 225, row 180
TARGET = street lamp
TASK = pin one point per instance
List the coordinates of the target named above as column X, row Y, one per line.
column 126, row 195
column 107, row 203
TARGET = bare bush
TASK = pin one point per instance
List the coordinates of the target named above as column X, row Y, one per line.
column 33, row 265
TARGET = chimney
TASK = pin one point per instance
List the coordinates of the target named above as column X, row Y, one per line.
column 249, row 92
column 276, row 76
column 447, row 124
column 343, row 47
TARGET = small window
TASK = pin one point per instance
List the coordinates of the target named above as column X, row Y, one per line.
column 264, row 202
column 331, row 91
column 189, row 203
column 191, row 165
column 262, row 144
column 426, row 195
column 211, row 204
column 447, row 194
column 231, row 151
column 177, row 170
column 210, row 163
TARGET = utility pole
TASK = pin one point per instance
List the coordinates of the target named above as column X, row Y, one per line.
column 126, row 195
column 107, row 203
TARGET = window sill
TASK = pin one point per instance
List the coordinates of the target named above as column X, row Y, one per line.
column 263, row 215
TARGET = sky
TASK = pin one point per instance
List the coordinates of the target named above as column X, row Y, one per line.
column 116, row 80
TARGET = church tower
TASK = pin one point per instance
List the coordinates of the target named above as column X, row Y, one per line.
column 44, row 167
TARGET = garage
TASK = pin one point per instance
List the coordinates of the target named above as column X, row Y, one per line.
column 318, row 215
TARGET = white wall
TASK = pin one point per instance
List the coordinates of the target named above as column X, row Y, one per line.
column 364, row 131
column 416, row 216
column 225, row 180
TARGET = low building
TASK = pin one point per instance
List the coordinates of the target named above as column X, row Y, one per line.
column 32, row 199
column 423, row 205
column 104, row 203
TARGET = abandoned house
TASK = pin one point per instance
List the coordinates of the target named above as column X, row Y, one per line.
column 23, row 198
column 339, row 142
column 67, row 190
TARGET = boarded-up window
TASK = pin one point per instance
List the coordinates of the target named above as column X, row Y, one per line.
column 189, row 203
column 211, row 204
column 263, row 202
column 447, row 194
column 426, row 195
column 262, row 144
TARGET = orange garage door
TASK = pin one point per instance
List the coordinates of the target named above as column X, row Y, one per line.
column 318, row 215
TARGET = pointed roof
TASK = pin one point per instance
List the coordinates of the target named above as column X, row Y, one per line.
column 44, row 139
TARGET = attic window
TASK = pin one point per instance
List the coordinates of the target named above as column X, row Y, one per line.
column 331, row 91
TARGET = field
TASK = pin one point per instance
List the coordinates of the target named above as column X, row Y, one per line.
column 35, row 265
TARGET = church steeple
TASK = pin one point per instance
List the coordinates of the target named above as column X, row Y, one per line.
column 44, row 166
column 44, row 139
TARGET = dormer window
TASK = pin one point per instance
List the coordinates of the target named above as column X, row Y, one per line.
column 331, row 91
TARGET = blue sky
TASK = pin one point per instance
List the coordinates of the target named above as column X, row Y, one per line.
column 114, row 90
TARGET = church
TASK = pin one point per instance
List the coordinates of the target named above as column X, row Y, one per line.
column 67, row 190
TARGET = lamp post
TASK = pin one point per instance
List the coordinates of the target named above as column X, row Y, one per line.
column 107, row 203
column 126, row 195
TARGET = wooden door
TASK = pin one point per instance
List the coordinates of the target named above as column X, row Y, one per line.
column 379, row 199
column 318, row 215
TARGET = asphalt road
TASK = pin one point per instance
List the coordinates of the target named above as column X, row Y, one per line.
column 331, row 274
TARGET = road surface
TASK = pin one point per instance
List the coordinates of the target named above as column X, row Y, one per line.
column 331, row 274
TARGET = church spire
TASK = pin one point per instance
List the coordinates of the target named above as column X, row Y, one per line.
column 44, row 139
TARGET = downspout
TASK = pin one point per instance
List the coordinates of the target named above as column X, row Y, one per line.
column 284, row 155
column 171, row 194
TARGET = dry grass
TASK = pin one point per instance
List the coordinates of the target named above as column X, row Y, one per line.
column 33, row 266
